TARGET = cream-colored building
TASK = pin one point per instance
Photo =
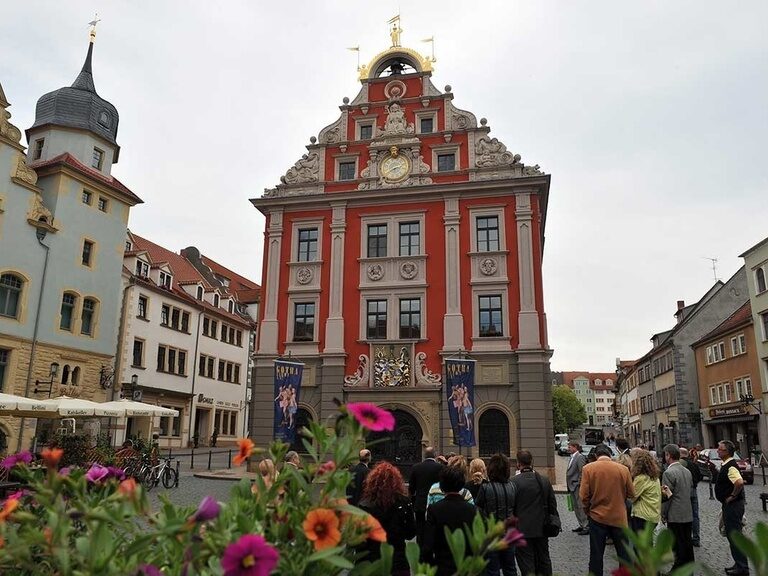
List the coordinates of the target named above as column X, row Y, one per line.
column 756, row 264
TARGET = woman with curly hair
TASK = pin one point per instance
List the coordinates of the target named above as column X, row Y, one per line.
column 477, row 476
column 646, row 504
column 386, row 498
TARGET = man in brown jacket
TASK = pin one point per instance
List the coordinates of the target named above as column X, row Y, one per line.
column 605, row 487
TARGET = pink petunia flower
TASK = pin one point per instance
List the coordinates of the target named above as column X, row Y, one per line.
column 9, row 462
column 621, row 571
column 371, row 416
column 251, row 555
column 514, row 537
column 149, row 570
column 97, row 473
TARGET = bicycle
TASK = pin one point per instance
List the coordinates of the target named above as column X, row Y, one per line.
column 151, row 476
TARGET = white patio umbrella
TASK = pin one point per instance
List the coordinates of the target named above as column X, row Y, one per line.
column 11, row 404
column 67, row 407
column 133, row 408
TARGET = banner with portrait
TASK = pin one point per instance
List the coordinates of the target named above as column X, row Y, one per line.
column 460, row 390
column 287, row 389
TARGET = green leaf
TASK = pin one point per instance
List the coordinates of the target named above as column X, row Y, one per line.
column 339, row 561
column 323, row 554
column 456, row 543
column 412, row 554
column 686, row 570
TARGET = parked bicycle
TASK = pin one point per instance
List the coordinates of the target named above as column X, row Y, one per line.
column 163, row 472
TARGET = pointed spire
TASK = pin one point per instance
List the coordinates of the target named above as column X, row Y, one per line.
column 84, row 80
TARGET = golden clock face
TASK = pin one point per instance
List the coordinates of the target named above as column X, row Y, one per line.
column 395, row 168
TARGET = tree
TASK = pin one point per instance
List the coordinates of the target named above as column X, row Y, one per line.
column 568, row 412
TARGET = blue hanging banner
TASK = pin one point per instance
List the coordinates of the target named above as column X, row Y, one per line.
column 287, row 389
column 460, row 389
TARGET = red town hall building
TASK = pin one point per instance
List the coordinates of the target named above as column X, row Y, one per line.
column 404, row 236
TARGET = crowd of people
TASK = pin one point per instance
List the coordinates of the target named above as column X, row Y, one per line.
column 632, row 488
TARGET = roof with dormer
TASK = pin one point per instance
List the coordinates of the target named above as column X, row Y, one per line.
column 739, row 319
column 79, row 106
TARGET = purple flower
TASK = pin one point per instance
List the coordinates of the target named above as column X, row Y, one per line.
column 65, row 471
column 514, row 537
column 251, row 555
column 97, row 473
column 9, row 462
column 208, row 510
column 115, row 472
column 149, row 570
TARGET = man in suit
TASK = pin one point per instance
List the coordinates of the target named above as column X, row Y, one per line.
column 533, row 498
column 423, row 475
column 359, row 474
column 605, row 487
column 676, row 509
column 573, row 482
column 452, row 512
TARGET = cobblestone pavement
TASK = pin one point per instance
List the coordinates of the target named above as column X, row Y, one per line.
column 569, row 551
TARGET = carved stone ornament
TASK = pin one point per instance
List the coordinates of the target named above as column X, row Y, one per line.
column 488, row 266
column 408, row 270
column 534, row 170
column 332, row 133
column 375, row 272
column 460, row 119
column 7, row 129
column 361, row 374
column 23, row 172
column 396, row 123
column 305, row 170
column 491, row 152
column 395, row 89
column 304, row 275
column 424, row 376
column 38, row 213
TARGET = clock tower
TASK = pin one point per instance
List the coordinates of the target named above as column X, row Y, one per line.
column 404, row 237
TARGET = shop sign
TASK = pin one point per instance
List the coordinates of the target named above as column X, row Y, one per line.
column 202, row 399
column 731, row 411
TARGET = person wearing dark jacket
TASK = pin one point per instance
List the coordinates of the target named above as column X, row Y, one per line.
column 729, row 491
column 452, row 512
column 423, row 475
column 532, row 494
column 496, row 498
column 359, row 473
column 386, row 499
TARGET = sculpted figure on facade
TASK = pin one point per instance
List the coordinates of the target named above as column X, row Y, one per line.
column 491, row 152
column 396, row 123
column 424, row 376
column 305, row 170
column 7, row 129
column 534, row 170
column 361, row 374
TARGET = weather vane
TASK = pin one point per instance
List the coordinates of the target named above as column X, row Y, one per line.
column 92, row 24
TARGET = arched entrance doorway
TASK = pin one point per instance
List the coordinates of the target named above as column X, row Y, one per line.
column 493, row 432
column 402, row 446
column 303, row 418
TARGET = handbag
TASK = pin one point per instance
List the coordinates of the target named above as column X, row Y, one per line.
column 552, row 524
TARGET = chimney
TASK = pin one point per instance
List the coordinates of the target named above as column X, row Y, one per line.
column 679, row 313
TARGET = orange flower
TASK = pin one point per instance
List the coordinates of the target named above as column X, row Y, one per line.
column 48, row 535
column 321, row 526
column 376, row 532
column 245, row 449
column 127, row 487
column 8, row 506
column 51, row 457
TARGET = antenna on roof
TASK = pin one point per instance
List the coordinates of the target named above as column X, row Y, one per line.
column 714, row 267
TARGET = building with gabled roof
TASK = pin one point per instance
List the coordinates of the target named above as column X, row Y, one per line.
column 186, row 342
column 405, row 235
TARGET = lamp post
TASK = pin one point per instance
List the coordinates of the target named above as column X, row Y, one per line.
column 47, row 385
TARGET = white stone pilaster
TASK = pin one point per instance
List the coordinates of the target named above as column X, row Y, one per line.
column 334, row 327
column 453, row 321
column 269, row 326
column 528, row 318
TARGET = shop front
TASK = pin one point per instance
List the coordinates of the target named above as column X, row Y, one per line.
column 734, row 423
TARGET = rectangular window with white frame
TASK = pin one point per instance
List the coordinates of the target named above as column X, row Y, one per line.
column 97, row 160
column 445, row 158
column 304, row 322
column 487, row 230
column 376, row 324
column 410, row 238
column 426, row 121
column 307, row 245
column 761, row 285
column 346, row 168
column 410, row 318
column 490, row 316
column 142, row 268
column 365, row 131
column 38, row 153
column 377, row 240
column 5, row 360
column 138, row 353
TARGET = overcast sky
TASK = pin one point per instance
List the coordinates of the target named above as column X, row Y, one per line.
column 651, row 117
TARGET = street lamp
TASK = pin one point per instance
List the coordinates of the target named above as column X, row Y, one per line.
column 130, row 387
column 47, row 385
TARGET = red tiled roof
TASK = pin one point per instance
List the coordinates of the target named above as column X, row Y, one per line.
column 742, row 315
column 236, row 282
column 68, row 159
column 250, row 296
column 569, row 377
column 183, row 271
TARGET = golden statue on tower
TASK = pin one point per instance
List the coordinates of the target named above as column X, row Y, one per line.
column 396, row 31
